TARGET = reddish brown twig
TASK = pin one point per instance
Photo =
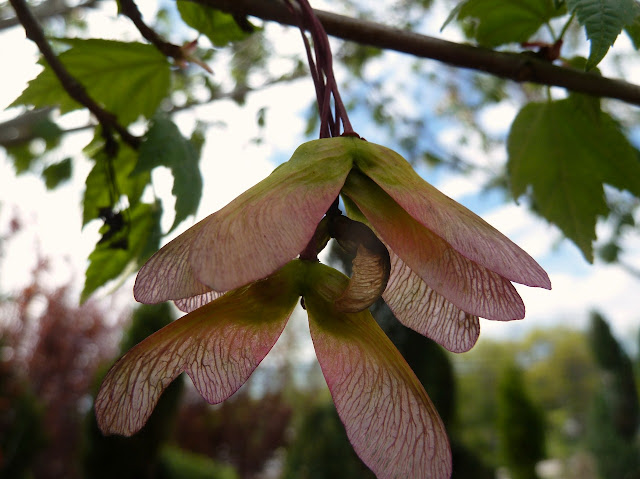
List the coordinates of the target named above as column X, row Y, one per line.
column 179, row 54
column 321, row 68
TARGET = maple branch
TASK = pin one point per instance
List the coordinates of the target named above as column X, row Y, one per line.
column 72, row 86
column 519, row 67
column 130, row 9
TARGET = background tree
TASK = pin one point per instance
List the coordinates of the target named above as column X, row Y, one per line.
column 320, row 448
column 52, row 348
column 549, row 136
column 247, row 432
column 520, row 426
column 22, row 434
column 615, row 415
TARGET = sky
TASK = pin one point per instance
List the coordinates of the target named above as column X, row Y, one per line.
column 232, row 162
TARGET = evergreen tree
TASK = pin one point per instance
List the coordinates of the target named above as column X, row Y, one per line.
column 520, row 426
column 321, row 449
column 618, row 375
column 615, row 414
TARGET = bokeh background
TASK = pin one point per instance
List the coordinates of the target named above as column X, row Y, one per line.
column 552, row 396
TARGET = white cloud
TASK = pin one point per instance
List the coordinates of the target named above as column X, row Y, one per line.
column 608, row 289
column 496, row 119
column 457, row 186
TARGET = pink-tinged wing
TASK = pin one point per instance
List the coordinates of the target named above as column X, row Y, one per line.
column 271, row 223
column 420, row 308
column 194, row 302
column 168, row 273
column 469, row 286
column 218, row 345
column 465, row 231
column 389, row 419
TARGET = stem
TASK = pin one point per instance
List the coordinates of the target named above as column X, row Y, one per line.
column 550, row 28
column 321, row 69
column 130, row 9
column 69, row 83
column 566, row 25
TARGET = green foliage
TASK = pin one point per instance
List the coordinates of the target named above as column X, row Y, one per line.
column 520, row 425
column 466, row 463
column 615, row 456
column 110, row 178
column 128, row 79
column 146, row 320
column 621, row 219
column 179, row 464
column 131, row 245
column 606, row 349
column 552, row 356
column 562, row 152
column 615, row 413
column 249, row 57
column 164, row 145
column 633, row 30
column 548, row 357
column 23, row 155
column 321, row 449
column 219, row 27
column 497, row 22
column 21, row 423
column 57, row 173
column 355, row 56
column 603, row 21
column 620, row 391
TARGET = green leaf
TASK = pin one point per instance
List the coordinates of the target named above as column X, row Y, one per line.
column 134, row 243
column 563, row 152
column 633, row 28
column 633, row 31
column 25, row 158
column 496, row 22
column 453, row 14
column 128, row 79
column 164, row 145
column 109, row 179
column 603, row 21
column 219, row 27
column 57, row 173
